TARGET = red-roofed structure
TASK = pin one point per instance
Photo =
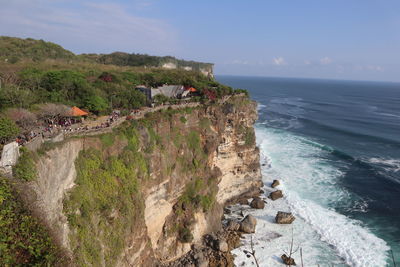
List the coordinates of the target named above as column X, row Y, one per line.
column 77, row 112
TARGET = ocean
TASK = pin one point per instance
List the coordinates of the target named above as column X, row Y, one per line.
column 335, row 147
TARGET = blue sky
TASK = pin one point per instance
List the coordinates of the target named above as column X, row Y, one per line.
column 339, row 39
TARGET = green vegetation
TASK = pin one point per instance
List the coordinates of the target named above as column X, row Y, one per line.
column 185, row 235
column 248, row 135
column 25, row 168
column 16, row 49
column 205, row 123
column 8, row 129
column 104, row 205
column 23, row 241
column 106, row 201
column 138, row 60
column 98, row 83
column 107, row 139
column 197, row 195
column 183, row 119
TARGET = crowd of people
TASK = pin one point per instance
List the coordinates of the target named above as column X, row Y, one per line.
column 53, row 126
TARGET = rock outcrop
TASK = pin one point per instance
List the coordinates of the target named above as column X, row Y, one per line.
column 9, row 157
column 284, row 217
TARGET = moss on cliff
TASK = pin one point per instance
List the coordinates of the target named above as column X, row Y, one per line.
column 23, row 240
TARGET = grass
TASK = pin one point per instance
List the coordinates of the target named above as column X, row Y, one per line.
column 23, row 240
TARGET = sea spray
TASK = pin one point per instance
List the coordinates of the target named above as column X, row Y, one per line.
column 311, row 183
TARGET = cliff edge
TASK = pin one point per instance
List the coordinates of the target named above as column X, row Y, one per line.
column 145, row 193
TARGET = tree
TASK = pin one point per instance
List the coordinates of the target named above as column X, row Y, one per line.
column 131, row 99
column 15, row 96
column 51, row 110
column 161, row 98
column 96, row 104
column 24, row 118
column 8, row 129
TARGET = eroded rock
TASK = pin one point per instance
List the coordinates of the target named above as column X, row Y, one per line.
column 276, row 195
column 288, row 260
column 243, row 201
column 221, row 245
column 284, row 217
column 275, row 183
column 257, row 203
column 248, row 224
column 9, row 156
column 232, row 225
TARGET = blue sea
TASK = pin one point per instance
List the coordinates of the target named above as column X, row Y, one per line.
column 335, row 146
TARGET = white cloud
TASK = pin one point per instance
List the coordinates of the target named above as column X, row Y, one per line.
column 375, row 68
column 307, row 62
column 87, row 26
column 279, row 61
column 239, row 62
column 325, row 60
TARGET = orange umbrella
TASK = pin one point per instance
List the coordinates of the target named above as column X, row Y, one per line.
column 76, row 112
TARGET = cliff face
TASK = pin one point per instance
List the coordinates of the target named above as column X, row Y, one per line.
column 144, row 194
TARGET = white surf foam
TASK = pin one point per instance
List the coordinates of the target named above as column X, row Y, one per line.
column 261, row 106
column 311, row 188
column 389, row 164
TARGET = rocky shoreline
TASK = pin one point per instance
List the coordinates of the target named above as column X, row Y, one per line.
column 215, row 248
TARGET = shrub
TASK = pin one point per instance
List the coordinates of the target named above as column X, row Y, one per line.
column 183, row 119
column 96, row 104
column 24, row 118
column 107, row 139
column 23, row 241
column 185, row 235
column 193, row 140
column 25, row 168
column 8, row 129
column 249, row 138
column 106, row 200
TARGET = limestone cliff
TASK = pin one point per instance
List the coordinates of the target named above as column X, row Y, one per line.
column 143, row 194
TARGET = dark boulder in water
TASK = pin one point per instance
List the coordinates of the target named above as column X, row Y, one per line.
column 257, row 203
column 275, row 183
column 248, row 225
column 284, row 217
column 276, row 194
column 288, row 260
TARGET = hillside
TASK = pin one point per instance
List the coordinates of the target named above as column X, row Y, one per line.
column 14, row 49
column 35, row 72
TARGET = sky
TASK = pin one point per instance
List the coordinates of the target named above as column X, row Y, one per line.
column 336, row 39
